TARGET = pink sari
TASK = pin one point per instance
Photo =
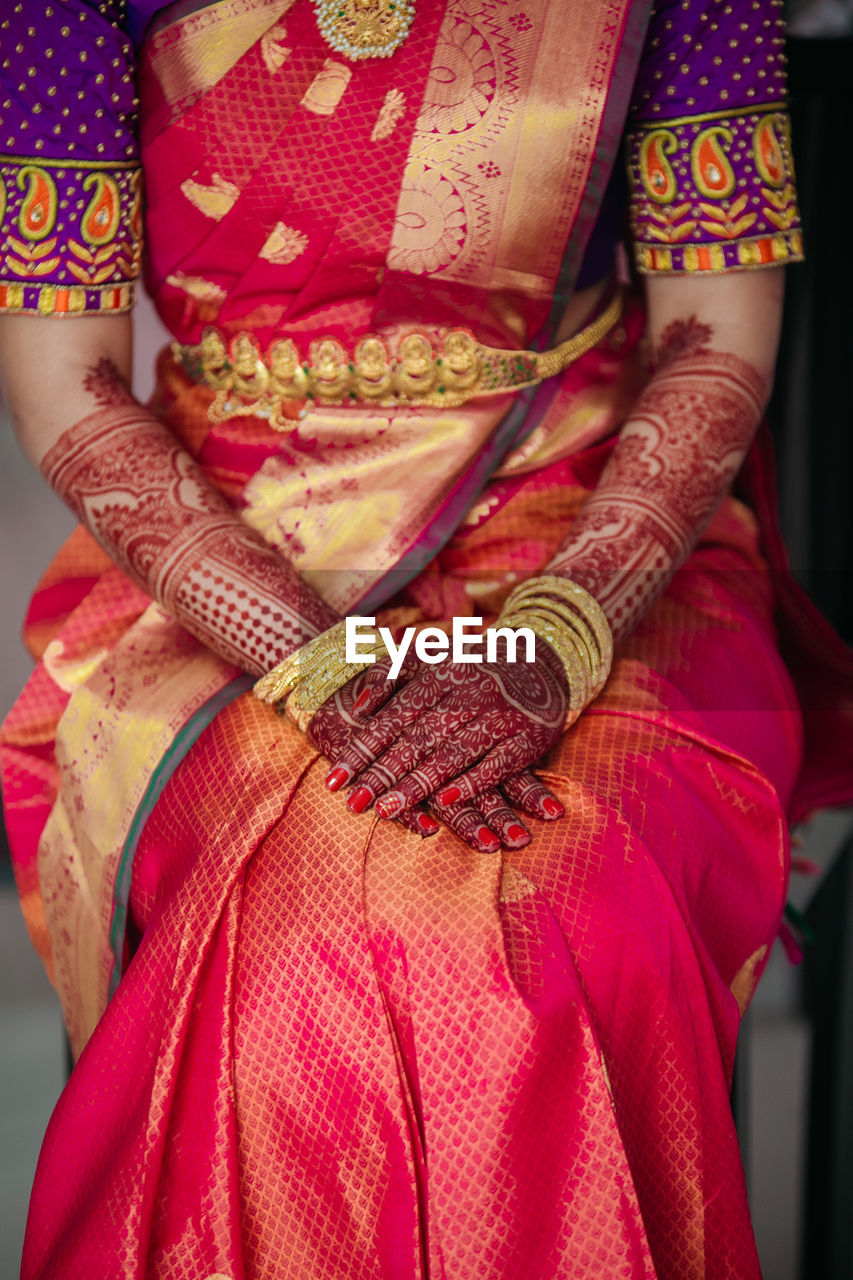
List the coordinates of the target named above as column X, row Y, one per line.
column 336, row 1050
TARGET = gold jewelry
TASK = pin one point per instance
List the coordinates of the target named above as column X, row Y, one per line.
column 310, row 676
column 364, row 28
column 576, row 623
column 585, row 605
column 572, row 622
column 567, row 647
column 441, row 371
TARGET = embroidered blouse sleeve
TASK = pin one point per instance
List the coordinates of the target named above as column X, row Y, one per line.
column 70, row 181
column 709, row 140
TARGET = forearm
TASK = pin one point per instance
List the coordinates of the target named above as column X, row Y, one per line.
column 677, row 454
column 150, row 506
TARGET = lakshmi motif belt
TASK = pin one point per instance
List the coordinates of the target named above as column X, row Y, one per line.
column 249, row 382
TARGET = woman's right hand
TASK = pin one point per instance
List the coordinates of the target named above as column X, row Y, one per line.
column 342, row 729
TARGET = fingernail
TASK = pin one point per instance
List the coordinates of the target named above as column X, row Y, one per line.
column 362, row 700
column 337, row 777
column 449, row 795
column 552, row 806
column 517, row 832
column 488, row 839
column 427, row 824
column 360, row 799
column 390, row 804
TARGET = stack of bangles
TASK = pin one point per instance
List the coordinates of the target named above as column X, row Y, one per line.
column 573, row 624
column 556, row 610
column 300, row 684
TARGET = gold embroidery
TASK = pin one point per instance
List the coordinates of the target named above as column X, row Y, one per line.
column 213, row 200
column 744, row 981
column 728, row 221
column 327, row 88
column 32, row 259
column 96, row 267
column 197, row 287
column 284, row 244
column 390, row 112
column 273, row 50
column 725, row 114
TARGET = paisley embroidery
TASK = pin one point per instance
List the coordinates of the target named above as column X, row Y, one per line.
column 72, row 234
column 273, row 50
column 655, row 170
column 768, row 153
column 713, row 192
column 37, row 216
column 709, row 164
column 100, row 221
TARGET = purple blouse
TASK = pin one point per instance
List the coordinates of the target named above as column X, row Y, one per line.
column 708, row 149
column 709, row 142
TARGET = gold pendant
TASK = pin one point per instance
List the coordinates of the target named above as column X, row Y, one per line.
column 364, row 28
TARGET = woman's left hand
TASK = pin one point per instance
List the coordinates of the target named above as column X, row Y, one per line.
column 452, row 733
column 485, row 824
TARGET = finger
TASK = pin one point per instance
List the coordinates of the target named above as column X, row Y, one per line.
column 466, row 821
column 508, row 757
column 418, row 820
column 507, row 826
column 531, row 796
column 456, row 755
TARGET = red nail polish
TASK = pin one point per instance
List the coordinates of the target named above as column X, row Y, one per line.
column 449, row 795
column 336, row 779
column 362, row 700
column 427, row 824
column 516, row 832
column 552, row 806
column 360, row 799
column 390, row 804
column 488, row 838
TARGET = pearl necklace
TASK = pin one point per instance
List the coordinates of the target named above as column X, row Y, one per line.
column 364, row 28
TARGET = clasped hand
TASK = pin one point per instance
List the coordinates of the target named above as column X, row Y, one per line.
column 452, row 740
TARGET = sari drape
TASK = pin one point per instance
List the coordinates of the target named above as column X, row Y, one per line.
column 335, row 1050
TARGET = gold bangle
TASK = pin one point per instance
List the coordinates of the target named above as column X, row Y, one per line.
column 576, row 624
column 577, row 598
column 567, row 648
column 306, row 679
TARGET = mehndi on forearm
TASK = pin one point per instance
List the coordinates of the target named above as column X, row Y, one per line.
column 674, row 461
column 150, row 506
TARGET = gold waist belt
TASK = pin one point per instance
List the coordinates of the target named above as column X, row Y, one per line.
column 248, row 381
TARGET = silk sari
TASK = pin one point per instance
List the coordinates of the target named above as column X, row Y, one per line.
column 314, row 1045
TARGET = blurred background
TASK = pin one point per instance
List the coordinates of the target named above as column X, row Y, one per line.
column 794, row 1086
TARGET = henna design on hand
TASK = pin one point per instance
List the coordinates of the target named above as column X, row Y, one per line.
column 674, row 460
column 149, row 505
